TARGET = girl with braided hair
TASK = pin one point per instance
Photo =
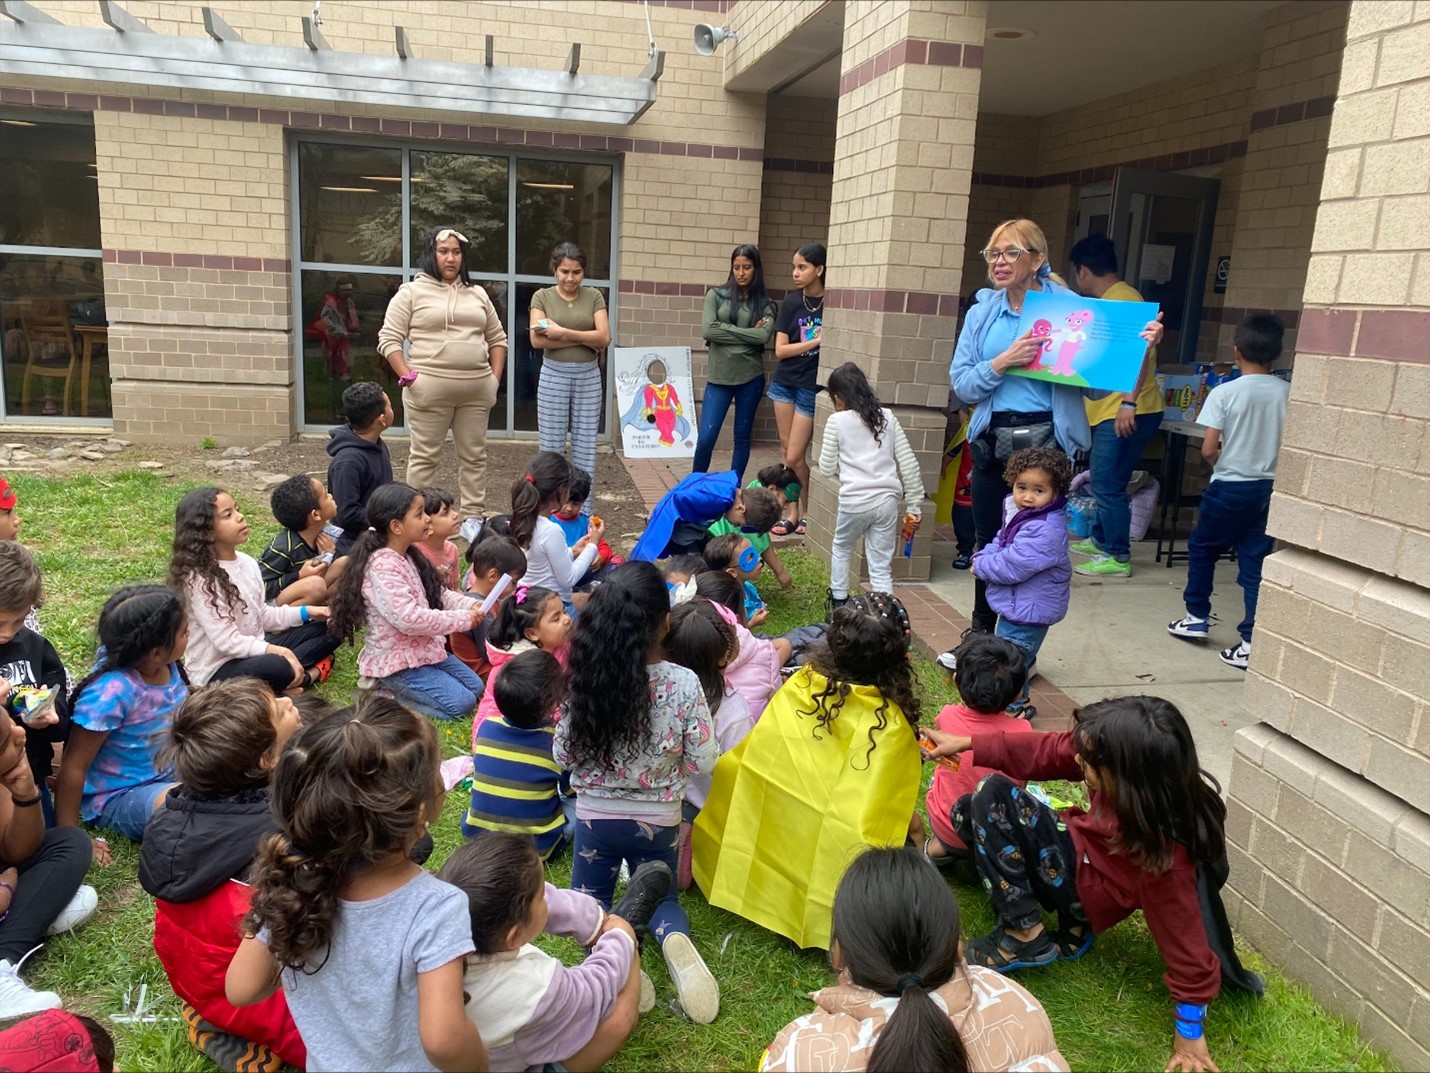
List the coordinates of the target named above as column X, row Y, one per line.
column 122, row 712
column 832, row 766
column 366, row 945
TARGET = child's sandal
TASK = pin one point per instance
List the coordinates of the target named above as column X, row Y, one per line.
column 1000, row 951
column 782, row 528
column 1073, row 943
column 322, row 670
column 800, row 526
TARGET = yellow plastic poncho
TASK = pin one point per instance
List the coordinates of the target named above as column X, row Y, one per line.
column 787, row 813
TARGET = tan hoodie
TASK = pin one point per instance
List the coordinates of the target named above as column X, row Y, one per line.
column 450, row 330
column 1002, row 1026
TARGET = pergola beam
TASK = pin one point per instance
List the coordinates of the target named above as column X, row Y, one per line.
column 121, row 20
column 217, row 28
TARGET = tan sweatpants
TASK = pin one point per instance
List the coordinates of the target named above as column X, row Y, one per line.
column 435, row 404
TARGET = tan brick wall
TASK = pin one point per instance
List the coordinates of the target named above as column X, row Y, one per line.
column 1330, row 794
column 763, row 26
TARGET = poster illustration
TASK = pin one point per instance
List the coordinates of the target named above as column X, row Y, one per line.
column 655, row 399
column 1087, row 342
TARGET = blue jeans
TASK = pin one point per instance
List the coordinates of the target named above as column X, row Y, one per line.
column 1113, row 459
column 1232, row 515
column 713, row 409
column 1027, row 639
column 446, row 690
column 128, row 810
column 801, row 398
column 601, row 845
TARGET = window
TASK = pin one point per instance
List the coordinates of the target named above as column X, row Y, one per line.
column 363, row 216
column 55, row 342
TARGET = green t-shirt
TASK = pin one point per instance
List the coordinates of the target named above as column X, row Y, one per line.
column 579, row 316
column 720, row 526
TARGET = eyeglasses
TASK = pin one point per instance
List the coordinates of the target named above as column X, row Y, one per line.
column 1011, row 255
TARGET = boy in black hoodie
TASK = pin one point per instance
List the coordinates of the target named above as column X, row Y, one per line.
column 223, row 746
column 27, row 659
column 360, row 461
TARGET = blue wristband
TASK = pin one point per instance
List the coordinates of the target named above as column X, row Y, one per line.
column 303, row 613
column 1189, row 1019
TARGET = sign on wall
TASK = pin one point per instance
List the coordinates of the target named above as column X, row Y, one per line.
column 655, row 399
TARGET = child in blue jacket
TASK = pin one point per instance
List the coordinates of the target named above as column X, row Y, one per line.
column 1027, row 567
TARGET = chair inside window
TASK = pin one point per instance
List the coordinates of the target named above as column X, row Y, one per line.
column 50, row 351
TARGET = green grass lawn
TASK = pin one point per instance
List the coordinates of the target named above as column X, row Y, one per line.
column 1110, row 1011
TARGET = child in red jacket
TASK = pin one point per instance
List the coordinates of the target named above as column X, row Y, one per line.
column 198, row 848
column 1154, row 839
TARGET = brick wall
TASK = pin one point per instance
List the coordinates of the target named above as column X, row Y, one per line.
column 1330, row 794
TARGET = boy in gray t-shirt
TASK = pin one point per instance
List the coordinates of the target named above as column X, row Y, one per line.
column 1244, row 420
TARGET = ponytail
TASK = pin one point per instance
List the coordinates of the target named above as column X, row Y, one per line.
column 545, row 480
column 896, row 923
column 347, row 613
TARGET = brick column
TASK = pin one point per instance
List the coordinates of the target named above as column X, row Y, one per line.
column 1329, row 821
column 908, row 105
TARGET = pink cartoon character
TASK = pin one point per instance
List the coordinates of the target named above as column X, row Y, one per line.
column 1073, row 338
column 1042, row 334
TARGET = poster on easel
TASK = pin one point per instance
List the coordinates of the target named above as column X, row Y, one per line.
column 1085, row 342
column 654, row 396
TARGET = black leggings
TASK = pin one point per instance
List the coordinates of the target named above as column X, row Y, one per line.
column 988, row 493
column 310, row 642
column 1008, row 828
column 48, row 880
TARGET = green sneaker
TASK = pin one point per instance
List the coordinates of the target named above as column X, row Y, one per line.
column 1085, row 547
column 1103, row 566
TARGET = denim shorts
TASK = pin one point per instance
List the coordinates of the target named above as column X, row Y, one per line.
column 801, row 398
column 128, row 810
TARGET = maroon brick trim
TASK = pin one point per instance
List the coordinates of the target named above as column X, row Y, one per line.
column 1314, row 108
column 921, row 303
column 809, row 167
column 719, row 7
column 911, row 50
column 1104, row 172
column 1290, row 318
column 398, row 128
column 218, row 262
column 1387, row 334
column 661, row 287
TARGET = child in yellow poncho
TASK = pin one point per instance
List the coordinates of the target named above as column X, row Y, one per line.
column 831, row 768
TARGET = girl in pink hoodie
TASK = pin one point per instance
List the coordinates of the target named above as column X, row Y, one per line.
column 390, row 587
column 528, row 618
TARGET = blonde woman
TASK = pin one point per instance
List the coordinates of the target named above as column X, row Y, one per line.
column 1012, row 411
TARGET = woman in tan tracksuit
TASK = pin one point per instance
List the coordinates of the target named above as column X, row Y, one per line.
column 455, row 359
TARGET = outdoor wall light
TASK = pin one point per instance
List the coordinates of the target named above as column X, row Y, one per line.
column 708, row 38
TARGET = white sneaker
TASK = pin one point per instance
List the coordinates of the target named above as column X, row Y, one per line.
column 18, row 1000
column 80, row 909
column 1237, row 656
column 696, row 988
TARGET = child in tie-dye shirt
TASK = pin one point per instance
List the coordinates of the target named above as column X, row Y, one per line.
column 122, row 713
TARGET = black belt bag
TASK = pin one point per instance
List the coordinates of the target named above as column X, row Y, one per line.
column 1008, row 432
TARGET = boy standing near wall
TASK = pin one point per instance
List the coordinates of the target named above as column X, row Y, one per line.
column 1244, row 420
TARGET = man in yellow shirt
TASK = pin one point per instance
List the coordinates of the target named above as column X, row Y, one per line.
column 1122, row 424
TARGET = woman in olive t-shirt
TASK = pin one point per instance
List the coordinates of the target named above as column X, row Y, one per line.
column 569, row 324
column 737, row 323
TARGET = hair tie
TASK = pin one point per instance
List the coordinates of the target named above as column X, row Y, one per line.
column 1044, row 270
column 528, row 478
column 911, row 980
column 521, row 591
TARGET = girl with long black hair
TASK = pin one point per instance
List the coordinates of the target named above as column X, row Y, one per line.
column 737, row 322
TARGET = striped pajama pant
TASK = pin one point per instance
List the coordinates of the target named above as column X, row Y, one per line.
column 569, row 400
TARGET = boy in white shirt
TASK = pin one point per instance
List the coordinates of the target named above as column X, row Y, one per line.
column 1244, row 420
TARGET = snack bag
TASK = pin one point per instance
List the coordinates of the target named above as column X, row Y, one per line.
column 34, row 705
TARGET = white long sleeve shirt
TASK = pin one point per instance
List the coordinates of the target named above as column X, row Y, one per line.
column 223, row 633
column 870, row 470
column 548, row 560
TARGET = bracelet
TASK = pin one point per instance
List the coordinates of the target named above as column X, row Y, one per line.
column 1131, row 404
column 24, row 804
column 303, row 613
column 1189, row 1019
column 407, row 379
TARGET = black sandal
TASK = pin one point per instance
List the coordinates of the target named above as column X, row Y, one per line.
column 1000, row 951
column 1073, row 942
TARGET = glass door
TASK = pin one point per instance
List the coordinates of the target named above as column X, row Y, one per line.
column 1161, row 225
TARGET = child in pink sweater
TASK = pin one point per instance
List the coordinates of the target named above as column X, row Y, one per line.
column 531, row 1009
column 392, row 588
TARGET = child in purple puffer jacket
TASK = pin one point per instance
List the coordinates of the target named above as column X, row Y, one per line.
column 1026, row 566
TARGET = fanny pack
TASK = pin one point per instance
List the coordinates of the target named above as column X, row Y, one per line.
column 1008, row 432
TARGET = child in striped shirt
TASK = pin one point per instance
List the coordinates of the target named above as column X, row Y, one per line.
column 515, row 782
